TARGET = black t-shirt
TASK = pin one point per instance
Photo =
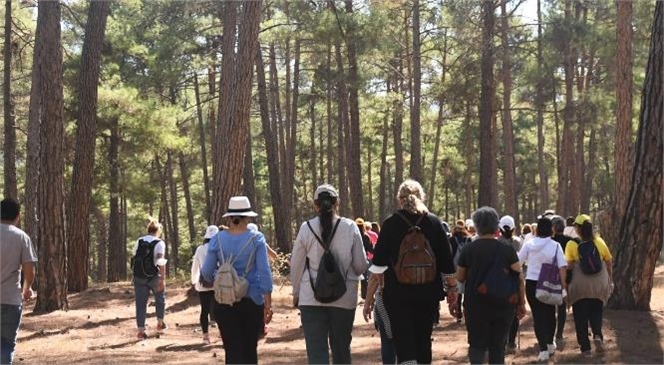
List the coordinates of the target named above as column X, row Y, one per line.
column 387, row 250
column 477, row 257
column 366, row 242
column 563, row 239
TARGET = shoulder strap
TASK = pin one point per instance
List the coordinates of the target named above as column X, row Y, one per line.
column 231, row 258
column 410, row 224
column 325, row 245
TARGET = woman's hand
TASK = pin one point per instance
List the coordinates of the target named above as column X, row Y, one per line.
column 267, row 315
column 521, row 311
column 161, row 286
column 368, row 308
column 296, row 301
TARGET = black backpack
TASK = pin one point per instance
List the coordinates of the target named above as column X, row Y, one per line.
column 143, row 264
column 589, row 259
column 499, row 285
column 330, row 283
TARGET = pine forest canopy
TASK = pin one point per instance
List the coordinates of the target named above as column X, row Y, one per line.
column 168, row 108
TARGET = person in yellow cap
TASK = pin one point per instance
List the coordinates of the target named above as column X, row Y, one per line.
column 591, row 284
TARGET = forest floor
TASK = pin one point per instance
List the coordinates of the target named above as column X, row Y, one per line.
column 99, row 328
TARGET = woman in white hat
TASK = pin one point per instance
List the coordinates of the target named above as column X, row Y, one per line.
column 205, row 294
column 329, row 322
column 241, row 320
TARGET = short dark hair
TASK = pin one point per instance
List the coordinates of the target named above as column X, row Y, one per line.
column 485, row 220
column 558, row 224
column 544, row 227
column 9, row 209
column 570, row 221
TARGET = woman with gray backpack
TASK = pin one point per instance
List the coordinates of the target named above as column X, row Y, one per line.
column 327, row 261
column 591, row 283
column 238, row 266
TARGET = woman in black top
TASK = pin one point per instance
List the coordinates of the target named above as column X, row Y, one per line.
column 411, row 308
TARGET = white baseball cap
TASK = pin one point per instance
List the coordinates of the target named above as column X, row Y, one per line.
column 210, row 231
column 506, row 221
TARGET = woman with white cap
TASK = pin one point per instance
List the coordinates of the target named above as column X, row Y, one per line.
column 241, row 320
column 507, row 226
column 330, row 322
column 205, row 294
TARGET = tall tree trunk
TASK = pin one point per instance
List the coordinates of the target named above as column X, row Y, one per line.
column 415, row 139
column 78, row 210
column 226, row 107
column 469, row 165
column 543, row 173
column 9, row 150
column 639, row 248
column 589, row 173
column 115, row 244
column 53, row 255
column 184, row 174
column 235, row 125
column 331, row 162
column 566, row 200
column 31, row 211
column 397, row 126
column 248, row 179
column 175, row 215
column 342, row 132
column 439, row 125
column 164, row 211
column 281, row 223
column 509, row 173
column 354, row 174
column 383, row 184
column 202, row 141
column 487, row 190
column 313, row 167
column 101, row 224
column 292, row 128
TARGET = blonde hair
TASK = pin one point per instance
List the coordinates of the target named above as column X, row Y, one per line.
column 411, row 197
column 154, row 226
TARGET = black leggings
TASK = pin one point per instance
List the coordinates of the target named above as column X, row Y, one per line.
column 544, row 317
column 206, row 298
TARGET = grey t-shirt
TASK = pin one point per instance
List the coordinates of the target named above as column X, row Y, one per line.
column 15, row 249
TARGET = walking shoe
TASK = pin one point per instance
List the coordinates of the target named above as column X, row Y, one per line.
column 141, row 335
column 599, row 343
column 206, row 339
column 551, row 348
column 543, row 356
column 587, row 354
column 162, row 327
column 511, row 349
column 458, row 320
column 559, row 341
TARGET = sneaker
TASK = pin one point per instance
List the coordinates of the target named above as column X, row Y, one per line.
column 511, row 349
column 551, row 348
column 599, row 343
column 587, row 354
column 162, row 327
column 559, row 341
column 206, row 339
column 141, row 335
column 458, row 320
column 543, row 356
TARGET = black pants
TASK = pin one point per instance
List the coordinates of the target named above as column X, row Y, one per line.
column 411, row 327
column 562, row 316
column 544, row 316
column 487, row 331
column 239, row 323
column 206, row 298
column 514, row 330
column 587, row 311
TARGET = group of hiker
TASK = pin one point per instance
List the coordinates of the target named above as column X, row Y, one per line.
column 403, row 269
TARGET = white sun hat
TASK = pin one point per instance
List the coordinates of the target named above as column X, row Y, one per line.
column 239, row 206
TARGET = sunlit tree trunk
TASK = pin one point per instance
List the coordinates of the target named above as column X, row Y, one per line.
column 9, row 150
column 509, row 172
column 487, row 189
column 415, row 133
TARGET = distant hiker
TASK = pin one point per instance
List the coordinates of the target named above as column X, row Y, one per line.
column 415, row 255
column 368, row 229
column 237, row 263
column 494, row 293
column 558, row 223
column 368, row 249
column 327, row 261
column 535, row 253
column 526, row 233
column 470, row 226
column 459, row 239
column 17, row 256
column 375, row 227
column 374, row 304
column 149, row 271
column 205, row 294
column 591, row 284
column 569, row 228
column 507, row 227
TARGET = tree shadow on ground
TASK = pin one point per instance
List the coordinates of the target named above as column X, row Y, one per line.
column 200, row 347
column 85, row 326
column 115, row 346
column 636, row 336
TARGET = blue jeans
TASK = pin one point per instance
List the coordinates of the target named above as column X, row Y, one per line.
column 388, row 353
column 142, row 289
column 327, row 324
column 10, row 320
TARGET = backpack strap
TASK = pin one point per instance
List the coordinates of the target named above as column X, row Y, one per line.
column 410, row 224
column 231, row 258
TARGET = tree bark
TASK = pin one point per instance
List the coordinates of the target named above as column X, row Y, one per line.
column 164, row 211
column 53, row 255
column 235, row 125
column 202, row 141
column 487, row 191
column 383, row 184
column 102, row 244
column 342, row 132
column 115, row 244
column 415, row 138
column 175, row 216
column 439, row 125
column 9, row 150
column 184, row 174
column 248, row 179
column 509, row 172
column 397, row 126
column 78, row 210
column 639, row 248
column 543, row 173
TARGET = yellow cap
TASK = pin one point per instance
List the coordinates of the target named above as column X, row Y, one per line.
column 582, row 218
column 359, row 221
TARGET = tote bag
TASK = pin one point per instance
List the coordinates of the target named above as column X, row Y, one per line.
column 549, row 288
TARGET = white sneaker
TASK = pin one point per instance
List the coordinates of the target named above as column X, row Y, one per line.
column 551, row 348
column 599, row 343
column 543, row 356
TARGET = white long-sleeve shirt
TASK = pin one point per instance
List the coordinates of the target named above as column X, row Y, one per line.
column 348, row 250
column 196, row 265
column 538, row 251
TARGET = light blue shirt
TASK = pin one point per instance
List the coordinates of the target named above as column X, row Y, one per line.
column 259, row 275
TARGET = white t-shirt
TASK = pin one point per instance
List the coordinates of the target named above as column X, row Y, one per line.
column 196, row 265
column 159, row 248
column 538, row 251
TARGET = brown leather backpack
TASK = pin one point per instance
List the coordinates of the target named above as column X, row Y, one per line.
column 416, row 263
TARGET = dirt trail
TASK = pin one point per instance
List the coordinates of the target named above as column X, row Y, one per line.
column 100, row 329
